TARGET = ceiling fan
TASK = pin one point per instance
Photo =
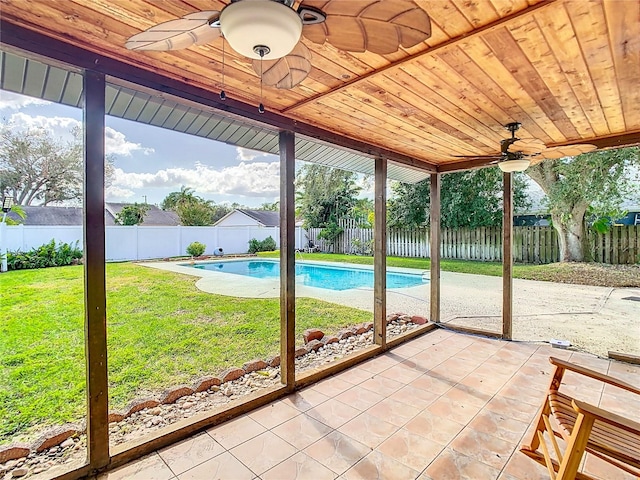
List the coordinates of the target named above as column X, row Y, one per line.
column 269, row 31
column 518, row 154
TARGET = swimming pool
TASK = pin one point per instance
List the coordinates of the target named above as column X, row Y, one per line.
column 321, row 276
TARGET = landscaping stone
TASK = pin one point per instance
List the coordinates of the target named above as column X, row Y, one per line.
column 312, row 334
column 231, row 374
column 55, row 437
column 13, row 452
column 328, row 339
column 274, row 361
column 67, row 443
column 418, row 320
column 359, row 329
column 368, row 325
column 254, row 365
column 313, row 345
column 392, row 317
column 143, row 422
column 141, row 404
column 205, row 383
column 19, row 472
column 116, row 416
column 345, row 333
column 173, row 394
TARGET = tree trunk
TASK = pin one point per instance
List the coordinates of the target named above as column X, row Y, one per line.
column 571, row 228
column 570, row 238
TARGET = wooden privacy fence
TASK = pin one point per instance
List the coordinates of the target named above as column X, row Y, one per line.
column 621, row 245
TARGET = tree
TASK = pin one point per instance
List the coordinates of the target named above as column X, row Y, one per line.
column 468, row 199
column 325, row 194
column 192, row 209
column 132, row 214
column 196, row 213
column 595, row 182
column 175, row 199
column 37, row 168
column 19, row 212
column 270, row 207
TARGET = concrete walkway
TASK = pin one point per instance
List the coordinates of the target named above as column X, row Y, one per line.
column 593, row 319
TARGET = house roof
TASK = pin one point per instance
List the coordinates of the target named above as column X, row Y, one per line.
column 154, row 216
column 39, row 215
column 566, row 70
column 264, row 217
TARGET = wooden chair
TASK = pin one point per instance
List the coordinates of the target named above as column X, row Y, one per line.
column 584, row 428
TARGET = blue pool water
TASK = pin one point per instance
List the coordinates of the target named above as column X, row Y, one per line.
column 322, row 276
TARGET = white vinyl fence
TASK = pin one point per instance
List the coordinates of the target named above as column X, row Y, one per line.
column 144, row 243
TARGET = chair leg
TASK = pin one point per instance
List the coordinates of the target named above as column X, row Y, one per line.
column 575, row 448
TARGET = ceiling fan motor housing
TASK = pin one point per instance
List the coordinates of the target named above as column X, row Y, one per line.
column 248, row 24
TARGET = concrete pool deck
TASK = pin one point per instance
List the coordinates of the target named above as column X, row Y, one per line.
column 595, row 319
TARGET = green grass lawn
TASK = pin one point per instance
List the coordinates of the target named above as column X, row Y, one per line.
column 162, row 331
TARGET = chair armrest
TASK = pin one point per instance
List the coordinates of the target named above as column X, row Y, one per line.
column 593, row 374
column 607, row 417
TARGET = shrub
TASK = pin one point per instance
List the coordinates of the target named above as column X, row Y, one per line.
column 254, row 245
column 195, row 249
column 47, row 255
column 266, row 245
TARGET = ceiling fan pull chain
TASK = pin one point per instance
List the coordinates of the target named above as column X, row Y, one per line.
column 223, row 95
column 261, row 107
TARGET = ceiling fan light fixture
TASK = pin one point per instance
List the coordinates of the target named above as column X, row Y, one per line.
column 247, row 24
column 519, row 165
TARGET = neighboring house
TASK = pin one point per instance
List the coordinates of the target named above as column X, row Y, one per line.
column 155, row 216
column 542, row 219
column 241, row 217
column 39, row 215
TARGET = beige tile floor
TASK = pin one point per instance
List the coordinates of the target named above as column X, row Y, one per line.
column 442, row 406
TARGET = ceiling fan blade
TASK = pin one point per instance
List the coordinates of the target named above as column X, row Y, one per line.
column 527, row 146
column 288, row 71
column 567, row 151
column 369, row 25
column 192, row 29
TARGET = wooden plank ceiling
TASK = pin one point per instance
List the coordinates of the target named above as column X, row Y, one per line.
column 569, row 71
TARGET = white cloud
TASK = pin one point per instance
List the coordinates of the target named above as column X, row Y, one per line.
column 60, row 127
column 14, row 101
column 118, row 192
column 247, row 155
column 257, row 179
column 117, row 143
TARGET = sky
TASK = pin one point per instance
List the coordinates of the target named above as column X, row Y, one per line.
column 151, row 162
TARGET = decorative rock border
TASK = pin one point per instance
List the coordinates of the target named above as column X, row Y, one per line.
column 62, row 439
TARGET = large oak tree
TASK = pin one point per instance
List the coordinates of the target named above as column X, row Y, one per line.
column 594, row 183
column 38, row 169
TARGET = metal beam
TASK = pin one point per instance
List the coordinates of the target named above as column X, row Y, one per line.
column 434, row 249
column 507, row 256
column 287, row 259
column 380, row 254
column 94, row 271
